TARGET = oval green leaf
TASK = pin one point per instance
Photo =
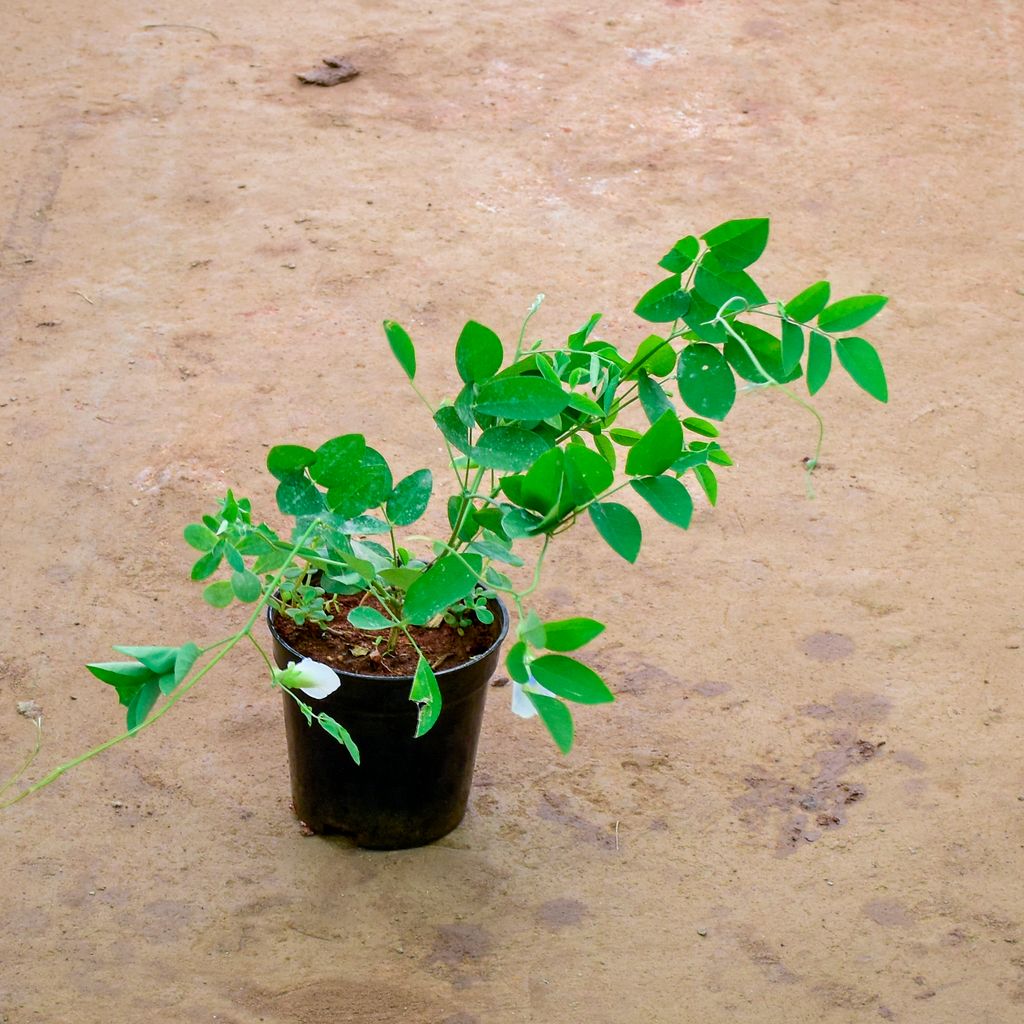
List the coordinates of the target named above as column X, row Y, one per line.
column 668, row 497
column 706, row 382
column 478, row 353
column 521, row 398
column 369, row 618
column 219, row 594
column 738, row 243
column 285, row 459
column 410, row 498
column 681, row 256
column 658, row 448
column 663, row 303
column 570, row 634
column 619, row 528
column 448, row 580
column 810, row 302
column 846, row 314
column 570, row 679
column 508, row 448
column 860, row 360
column 401, row 346
column 246, row 586
column 819, row 362
column 557, row 719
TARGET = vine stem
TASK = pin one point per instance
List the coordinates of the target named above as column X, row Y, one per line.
column 226, row 646
column 770, row 380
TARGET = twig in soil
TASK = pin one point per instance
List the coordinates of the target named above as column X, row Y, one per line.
column 193, row 28
column 84, row 296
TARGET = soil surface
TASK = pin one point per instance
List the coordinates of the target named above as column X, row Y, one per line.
column 807, row 803
column 341, row 645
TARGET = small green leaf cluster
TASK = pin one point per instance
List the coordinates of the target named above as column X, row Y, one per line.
column 540, row 435
column 153, row 672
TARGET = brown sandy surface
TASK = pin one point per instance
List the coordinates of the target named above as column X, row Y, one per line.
column 807, row 804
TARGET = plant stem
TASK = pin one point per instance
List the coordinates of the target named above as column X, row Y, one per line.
column 226, row 647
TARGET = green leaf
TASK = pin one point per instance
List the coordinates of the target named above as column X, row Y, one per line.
column 246, row 586
column 368, row 486
column 719, row 457
column 333, row 728
column 127, row 677
column 624, row 436
column 410, row 498
column 517, row 522
column 708, row 481
column 186, row 658
column 717, row 284
column 454, row 431
column 701, row 320
column 792, row 346
column 521, row 398
column 607, row 450
column 663, row 303
column 448, row 580
column 219, row 594
column 618, row 527
column 366, row 526
column 298, row 496
column 699, row 426
column 652, row 397
column 207, row 565
column 200, row 537
column 463, row 406
column 508, row 448
column 766, row 348
column 271, row 561
column 285, row 460
column 738, row 243
column 585, row 405
column 157, row 659
column 587, row 473
column 338, row 459
column 427, row 694
column 577, row 338
column 706, row 382
column 542, row 485
column 658, row 448
column 570, row 634
column 495, row 551
column 400, row 577
column 860, row 360
column 819, row 362
column 810, row 302
column 556, row 717
column 234, row 559
column 654, row 355
column 478, row 353
column 142, row 703
column 571, row 679
column 515, row 663
column 369, row 618
column 667, row 496
column 680, row 257
column 846, row 314
column 402, row 347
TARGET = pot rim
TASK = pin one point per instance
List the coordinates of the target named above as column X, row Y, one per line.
column 440, row 674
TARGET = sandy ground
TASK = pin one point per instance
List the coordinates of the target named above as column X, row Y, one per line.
column 197, row 253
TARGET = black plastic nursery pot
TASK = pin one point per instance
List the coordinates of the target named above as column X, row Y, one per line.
column 406, row 791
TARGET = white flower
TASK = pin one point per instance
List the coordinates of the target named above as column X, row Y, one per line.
column 521, row 705
column 313, row 678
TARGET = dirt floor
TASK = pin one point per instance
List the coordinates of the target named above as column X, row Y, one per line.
column 807, row 803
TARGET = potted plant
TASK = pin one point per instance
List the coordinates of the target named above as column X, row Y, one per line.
column 383, row 639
